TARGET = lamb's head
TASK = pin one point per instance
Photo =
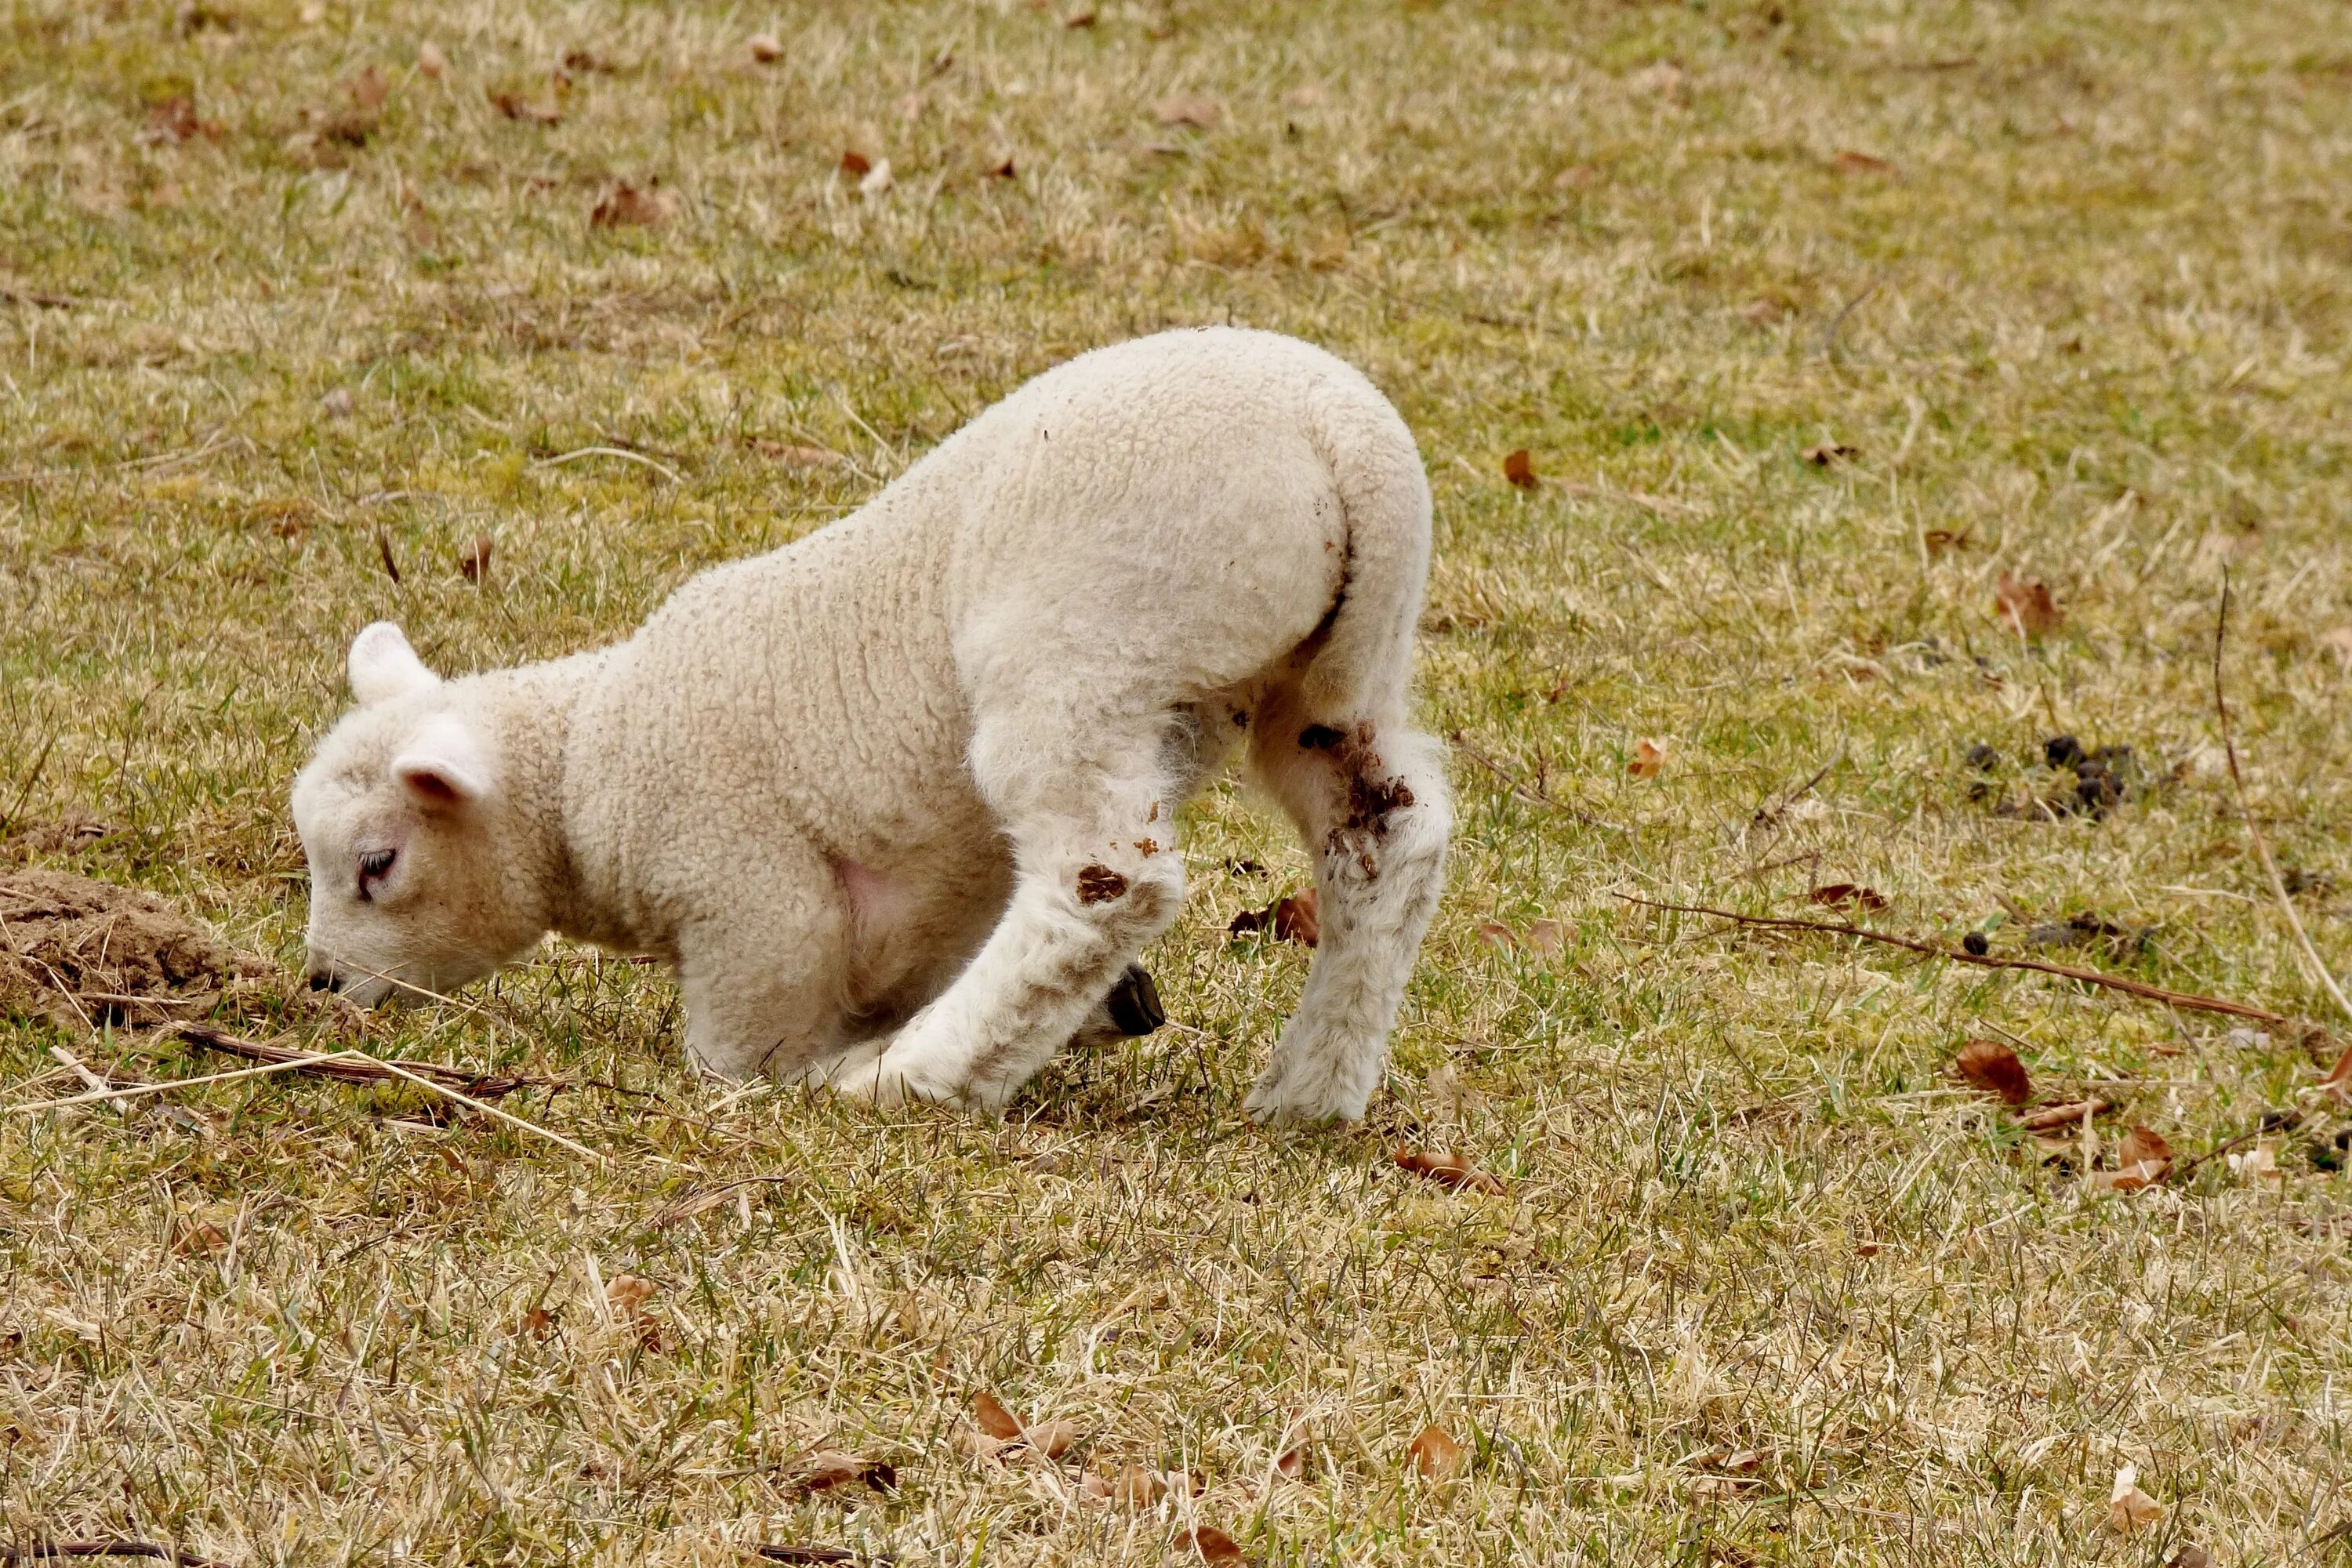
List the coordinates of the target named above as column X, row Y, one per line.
column 413, row 885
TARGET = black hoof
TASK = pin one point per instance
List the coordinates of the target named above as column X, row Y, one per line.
column 1134, row 1003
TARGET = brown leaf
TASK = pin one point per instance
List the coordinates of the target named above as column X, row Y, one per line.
column 766, row 48
column 2128, row 1508
column 1941, row 540
column 1824, row 453
column 1053, row 1438
column 1649, row 759
column 856, row 161
column 628, row 205
column 797, row 457
column 431, row 63
column 474, row 566
column 1131, row 1484
column 1292, row 1464
column 1446, row 1168
column 515, row 107
column 1188, row 109
column 1994, row 1068
column 1288, row 918
column 1494, row 934
column 826, row 1470
column 1520, row 469
column 1544, row 936
column 2068, row 1115
column 173, row 119
column 2142, row 1159
column 1862, row 164
column 539, row 1323
column 1837, row 893
column 369, row 90
column 200, row 1238
column 1214, row 1545
column 1437, row 1455
column 627, row 1294
column 994, row 1419
column 2027, row 606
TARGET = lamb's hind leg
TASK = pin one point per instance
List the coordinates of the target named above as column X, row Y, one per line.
column 1372, row 804
column 1096, row 878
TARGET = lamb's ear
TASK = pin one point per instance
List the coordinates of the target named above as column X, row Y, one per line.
column 383, row 666
column 443, row 765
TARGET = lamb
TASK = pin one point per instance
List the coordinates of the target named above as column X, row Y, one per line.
column 897, row 802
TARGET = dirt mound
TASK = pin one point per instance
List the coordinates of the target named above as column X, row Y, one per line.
column 84, row 952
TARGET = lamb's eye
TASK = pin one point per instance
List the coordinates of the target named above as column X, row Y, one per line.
column 373, row 865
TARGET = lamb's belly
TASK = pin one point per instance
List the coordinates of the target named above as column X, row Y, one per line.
column 916, row 919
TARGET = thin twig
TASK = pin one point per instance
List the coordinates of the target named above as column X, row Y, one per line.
column 140, row 1091
column 2261, row 845
column 2188, row 999
column 482, row 1086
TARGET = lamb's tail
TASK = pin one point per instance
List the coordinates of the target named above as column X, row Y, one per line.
column 1364, row 663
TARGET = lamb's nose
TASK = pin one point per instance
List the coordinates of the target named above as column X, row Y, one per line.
column 322, row 980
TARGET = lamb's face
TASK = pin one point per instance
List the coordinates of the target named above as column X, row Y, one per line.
column 398, row 814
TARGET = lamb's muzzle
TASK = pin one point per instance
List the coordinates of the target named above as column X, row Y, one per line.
column 899, row 800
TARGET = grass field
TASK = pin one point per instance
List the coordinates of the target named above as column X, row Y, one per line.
column 1816, row 318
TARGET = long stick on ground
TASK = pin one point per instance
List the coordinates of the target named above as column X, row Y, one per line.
column 2188, row 999
column 313, row 1063
column 2261, row 845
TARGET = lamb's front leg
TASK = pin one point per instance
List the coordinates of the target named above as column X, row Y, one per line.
column 761, row 973
column 1096, row 878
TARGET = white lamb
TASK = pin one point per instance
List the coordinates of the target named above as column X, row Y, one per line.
column 899, row 801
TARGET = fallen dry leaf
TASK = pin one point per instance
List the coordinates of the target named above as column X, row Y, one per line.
column 1520, row 469
column 539, row 1323
column 369, row 90
column 1649, row 759
column 2128, row 1508
column 1129, row 1484
column 1862, row 164
column 474, row 563
column 1188, row 109
column 856, row 161
column 1292, row 1464
column 1288, row 918
column 1824, row 453
column 1053, row 1438
column 627, row 1295
column 1494, row 934
column 1214, row 1545
column 200, row 1238
column 2027, row 606
column 1544, row 936
column 2067, row 1115
column 2142, row 1159
column 516, row 107
column 1840, row 893
column 1994, row 1068
column 628, row 205
column 173, row 119
column 1436, row 1456
column 431, row 63
column 1446, row 1168
column 766, row 48
column 994, row 1419
column 826, row 1470
column 1942, row 540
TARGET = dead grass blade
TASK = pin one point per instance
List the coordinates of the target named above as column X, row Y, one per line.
column 359, row 1068
column 42, row 1550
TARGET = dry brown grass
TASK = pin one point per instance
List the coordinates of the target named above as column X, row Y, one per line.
column 2070, row 281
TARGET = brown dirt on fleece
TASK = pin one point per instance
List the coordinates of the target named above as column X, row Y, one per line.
column 82, row 953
